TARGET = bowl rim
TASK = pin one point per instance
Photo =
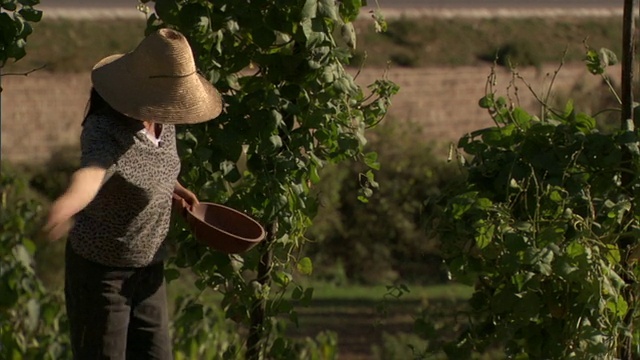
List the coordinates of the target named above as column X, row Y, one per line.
column 251, row 219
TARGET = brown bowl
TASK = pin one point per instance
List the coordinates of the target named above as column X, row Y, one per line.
column 223, row 228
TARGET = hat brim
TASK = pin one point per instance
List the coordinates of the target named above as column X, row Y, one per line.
column 189, row 99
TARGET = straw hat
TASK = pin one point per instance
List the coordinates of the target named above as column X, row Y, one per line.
column 157, row 82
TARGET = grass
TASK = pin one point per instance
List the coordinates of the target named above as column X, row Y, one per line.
column 324, row 291
column 368, row 322
column 363, row 317
column 75, row 46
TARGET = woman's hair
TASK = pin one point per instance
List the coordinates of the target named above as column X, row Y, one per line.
column 97, row 104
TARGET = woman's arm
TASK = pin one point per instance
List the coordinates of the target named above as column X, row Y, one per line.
column 83, row 188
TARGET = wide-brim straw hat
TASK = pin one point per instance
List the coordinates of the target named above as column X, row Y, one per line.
column 158, row 82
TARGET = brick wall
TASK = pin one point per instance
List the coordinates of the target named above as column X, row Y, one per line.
column 42, row 112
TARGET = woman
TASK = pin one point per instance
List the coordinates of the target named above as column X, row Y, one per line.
column 121, row 198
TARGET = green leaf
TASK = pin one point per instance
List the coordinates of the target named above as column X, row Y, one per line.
column 9, row 5
column 486, row 102
column 613, row 253
column 49, row 313
column 598, row 61
column 33, row 315
column 483, row 203
column 327, row 8
column 309, row 10
column 167, row 10
column 227, row 167
column 29, row 245
column 349, row 9
column 544, row 260
column 263, row 37
column 556, row 196
column 22, row 255
column 30, row 14
column 575, row 249
column 193, row 314
column 305, row 266
column 426, row 330
column 171, row 274
column 17, row 49
column 29, row 2
column 348, row 35
column 196, row 17
column 493, row 137
column 521, row 117
column 619, row 307
column 313, row 175
column 276, row 141
column 585, row 123
column 27, row 30
column 484, row 235
column 282, row 278
column 313, row 30
column 371, row 160
column 307, row 297
column 297, row 293
column 608, row 57
column 276, row 117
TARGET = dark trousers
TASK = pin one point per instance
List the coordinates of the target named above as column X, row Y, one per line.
column 116, row 313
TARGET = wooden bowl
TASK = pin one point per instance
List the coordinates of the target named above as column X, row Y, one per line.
column 223, row 228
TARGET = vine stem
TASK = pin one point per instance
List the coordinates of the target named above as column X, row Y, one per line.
column 26, row 73
column 258, row 308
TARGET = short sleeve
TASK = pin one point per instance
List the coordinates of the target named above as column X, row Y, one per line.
column 97, row 144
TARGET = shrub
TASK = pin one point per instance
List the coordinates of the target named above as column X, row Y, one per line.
column 510, row 54
column 400, row 346
column 383, row 240
column 32, row 322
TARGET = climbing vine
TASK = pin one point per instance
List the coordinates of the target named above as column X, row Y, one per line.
column 292, row 107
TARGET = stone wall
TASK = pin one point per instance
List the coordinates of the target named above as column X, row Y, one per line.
column 42, row 112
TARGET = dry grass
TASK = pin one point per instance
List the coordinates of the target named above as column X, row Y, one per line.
column 456, row 42
column 66, row 45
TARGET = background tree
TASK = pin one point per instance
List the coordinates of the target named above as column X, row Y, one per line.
column 16, row 17
column 30, row 317
column 291, row 107
column 383, row 240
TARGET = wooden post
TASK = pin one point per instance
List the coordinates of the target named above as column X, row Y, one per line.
column 627, row 122
column 627, row 64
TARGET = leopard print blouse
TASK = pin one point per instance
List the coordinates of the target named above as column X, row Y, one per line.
column 127, row 222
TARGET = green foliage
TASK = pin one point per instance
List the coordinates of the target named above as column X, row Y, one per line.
column 400, row 346
column 201, row 332
column 514, row 54
column 323, row 347
column 16, row 17
column 32, row 322
column 538, row 230
column 384, row 240
column 291, row 109
column 52, row 178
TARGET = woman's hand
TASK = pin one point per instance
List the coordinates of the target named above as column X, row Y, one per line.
column 183, row 198
column 85, row 184
column 59, row 220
